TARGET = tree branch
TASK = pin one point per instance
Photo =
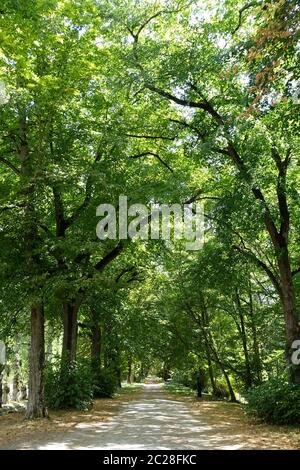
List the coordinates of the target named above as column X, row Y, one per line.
column 110, row 256
column 145, row 154
column 150, row 137
column 189, row 126
column 175, row 99
column 10, row 165
column 241, row 11
column 88, row 196
column 59, row 213
column 246, row 252
column 143, row 25
column 281, row 192
column 231, row 151
column 296, row 271
column 124, row 271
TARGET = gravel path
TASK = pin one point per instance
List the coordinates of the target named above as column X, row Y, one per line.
column 152, row 421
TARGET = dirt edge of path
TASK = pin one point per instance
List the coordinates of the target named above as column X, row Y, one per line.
column 232, row 418
column 14, row 427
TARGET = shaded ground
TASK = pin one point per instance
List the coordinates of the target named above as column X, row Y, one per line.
column 148, row 419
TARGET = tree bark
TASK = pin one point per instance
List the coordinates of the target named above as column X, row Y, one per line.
column 292, row 330
column 16, row 380
column 70, row 313
column 129, row 371
column 36, row 407
column 210, row 344
column 96, row 336
column 1, row 384
column 210, row 368
column 248, row 374
column 256, row 351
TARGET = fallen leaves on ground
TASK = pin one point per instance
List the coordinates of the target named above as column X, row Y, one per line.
column 230, row 419
column 13, row 426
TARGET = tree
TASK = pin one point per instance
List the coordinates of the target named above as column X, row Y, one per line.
column 210, row 85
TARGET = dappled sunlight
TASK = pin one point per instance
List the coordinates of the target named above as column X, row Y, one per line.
column 155, row 419
column 153, row 422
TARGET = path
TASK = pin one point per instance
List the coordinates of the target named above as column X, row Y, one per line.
column 152, row 421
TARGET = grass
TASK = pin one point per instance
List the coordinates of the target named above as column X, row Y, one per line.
column 179, row 389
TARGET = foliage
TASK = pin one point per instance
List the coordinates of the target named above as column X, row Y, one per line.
column 165, row 102
column 105, row 383
column 275, row 401
column 188, row 378
column 68, row 386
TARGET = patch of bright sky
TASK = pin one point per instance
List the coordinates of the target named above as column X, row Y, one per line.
column 201, row 12
column 244, row 79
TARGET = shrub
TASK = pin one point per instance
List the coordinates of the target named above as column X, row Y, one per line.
column 68, row 386
column 275, row 401
column 187, row 379
column 105, row 383
column 221, row 390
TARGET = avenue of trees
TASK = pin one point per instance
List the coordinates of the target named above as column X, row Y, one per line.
column 173, row 102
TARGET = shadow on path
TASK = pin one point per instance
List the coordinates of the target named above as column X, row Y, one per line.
column 153, row 421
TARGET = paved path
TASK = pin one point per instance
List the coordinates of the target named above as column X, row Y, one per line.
column 153, row 421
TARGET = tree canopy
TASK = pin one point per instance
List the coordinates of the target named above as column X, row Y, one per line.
column 166, row 102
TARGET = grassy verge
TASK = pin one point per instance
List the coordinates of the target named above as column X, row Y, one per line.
column 183, row 391
column 179, row 389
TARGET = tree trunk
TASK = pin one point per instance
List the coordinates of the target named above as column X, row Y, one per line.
column 70, row 313
column 210, row 369
column 36, row 406
column 229, row 386
column 224, row 372
column 129, row 370
column 292, row 330
column 256, row 351
column 209, row 341
column 16, row 380
column 1, row 382
column 96, row 335
column 248, row 375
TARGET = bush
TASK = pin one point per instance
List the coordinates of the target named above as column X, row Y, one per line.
column 68, row 386
column 187, row 379
column 275, row 401
column 221, row 390
column 105, row 383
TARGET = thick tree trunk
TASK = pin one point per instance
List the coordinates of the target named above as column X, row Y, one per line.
column 36, row 406
column 70, row 313
column 292, row 330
